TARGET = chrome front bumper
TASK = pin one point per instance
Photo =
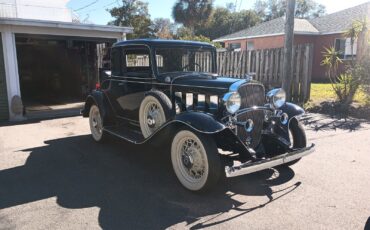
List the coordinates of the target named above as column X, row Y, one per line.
column 251, row 167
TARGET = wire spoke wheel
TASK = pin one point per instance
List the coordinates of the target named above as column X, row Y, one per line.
column 96, row 124
column 190, row 160
column 151, row 115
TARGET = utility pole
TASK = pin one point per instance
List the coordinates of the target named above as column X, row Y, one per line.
column 288, row 47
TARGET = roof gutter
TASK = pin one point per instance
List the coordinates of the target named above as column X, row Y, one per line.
column 63, row 25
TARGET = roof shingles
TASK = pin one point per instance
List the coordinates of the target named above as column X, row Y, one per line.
column 342, row 20
column 331, row 23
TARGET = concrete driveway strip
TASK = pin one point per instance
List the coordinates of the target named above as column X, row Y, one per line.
column 53, row 176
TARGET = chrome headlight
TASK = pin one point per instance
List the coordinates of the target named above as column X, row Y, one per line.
column 232, row 102
column 277, row 98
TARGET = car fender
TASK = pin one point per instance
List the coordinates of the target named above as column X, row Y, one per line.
column 292, row 110
column 195, row 121
column 98, row 98
column 201, row 122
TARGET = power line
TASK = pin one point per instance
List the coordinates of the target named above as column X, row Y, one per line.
column 95, row 9
column 84, row 7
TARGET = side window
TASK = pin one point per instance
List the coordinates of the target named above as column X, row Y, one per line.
column 116, row 61
column 136, row 61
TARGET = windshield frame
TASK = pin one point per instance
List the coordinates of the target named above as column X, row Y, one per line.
column 212, row 50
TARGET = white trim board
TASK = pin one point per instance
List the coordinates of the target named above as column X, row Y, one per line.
column 63, row 29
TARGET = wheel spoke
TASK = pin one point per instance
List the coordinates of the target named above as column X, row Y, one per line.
column 191, row 149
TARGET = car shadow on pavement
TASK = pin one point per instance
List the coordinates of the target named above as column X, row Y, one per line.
column 133, row 186
column 320, row 122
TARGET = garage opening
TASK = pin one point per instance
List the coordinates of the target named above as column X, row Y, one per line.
column 56, row 73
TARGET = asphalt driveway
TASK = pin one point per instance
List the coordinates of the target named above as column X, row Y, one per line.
column 53, row 176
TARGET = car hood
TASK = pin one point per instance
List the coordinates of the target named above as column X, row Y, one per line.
column 204, row 83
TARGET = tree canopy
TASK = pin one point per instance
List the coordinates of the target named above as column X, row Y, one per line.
column 223, row 21
column 198, row 19
column 164, row 28
column 192, row 13
column 271, row 9
column 133, row 13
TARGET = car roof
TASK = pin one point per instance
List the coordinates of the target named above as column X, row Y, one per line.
column 162, row 42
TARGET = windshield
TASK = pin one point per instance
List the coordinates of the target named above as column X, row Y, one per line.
column 185, row 59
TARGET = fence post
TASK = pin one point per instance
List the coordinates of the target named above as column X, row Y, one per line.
column 298, row 76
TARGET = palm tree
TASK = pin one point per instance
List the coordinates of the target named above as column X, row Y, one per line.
column 192, row 13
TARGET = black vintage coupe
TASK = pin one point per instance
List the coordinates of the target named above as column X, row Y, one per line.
column 168, row 93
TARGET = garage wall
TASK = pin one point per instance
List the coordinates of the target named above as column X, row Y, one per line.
column 4, row 112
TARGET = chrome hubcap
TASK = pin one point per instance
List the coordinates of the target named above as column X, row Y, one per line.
column 153, row 117
column 151, row 121
column 187, row 161
column 95, row 123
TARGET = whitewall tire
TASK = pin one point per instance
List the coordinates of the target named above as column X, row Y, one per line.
column 155, row 110
column 96, row 124
column 195, row 160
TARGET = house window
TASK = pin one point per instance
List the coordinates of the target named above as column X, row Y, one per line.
column 343, row 46
column 234, row 46
column 250, row 45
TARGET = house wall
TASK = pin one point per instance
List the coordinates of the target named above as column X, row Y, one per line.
column 4, row 112
column 268, row 42
column 54, row 10
column 320, row 42
column 260, row 43
column 243, row 43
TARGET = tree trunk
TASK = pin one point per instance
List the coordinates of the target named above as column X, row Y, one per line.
column 288, row 48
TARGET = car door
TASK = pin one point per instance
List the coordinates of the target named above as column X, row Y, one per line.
column 135, row 78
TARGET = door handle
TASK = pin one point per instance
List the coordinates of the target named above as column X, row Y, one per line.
column 121, row 84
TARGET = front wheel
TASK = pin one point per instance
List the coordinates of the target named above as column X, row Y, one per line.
column 195, row 160
column 297, row 137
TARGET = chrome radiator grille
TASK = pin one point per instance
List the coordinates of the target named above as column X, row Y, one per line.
column 252, row 95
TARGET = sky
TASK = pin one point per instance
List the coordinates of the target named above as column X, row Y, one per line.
column 95, row 10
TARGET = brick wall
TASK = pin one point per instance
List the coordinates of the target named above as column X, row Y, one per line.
column 260, row 43
column 4, row 112
column 243, row 43
column 320, row 42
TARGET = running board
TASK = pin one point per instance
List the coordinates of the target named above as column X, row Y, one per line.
column 252, row 167
column 133, row 137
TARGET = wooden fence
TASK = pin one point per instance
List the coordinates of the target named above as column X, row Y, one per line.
column 266, row 66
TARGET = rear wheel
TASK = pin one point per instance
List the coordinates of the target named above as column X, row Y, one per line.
column 195, row 160
column 96, row 124
column 155, row 110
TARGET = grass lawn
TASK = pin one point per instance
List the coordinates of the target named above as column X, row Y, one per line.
column 324, row 92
